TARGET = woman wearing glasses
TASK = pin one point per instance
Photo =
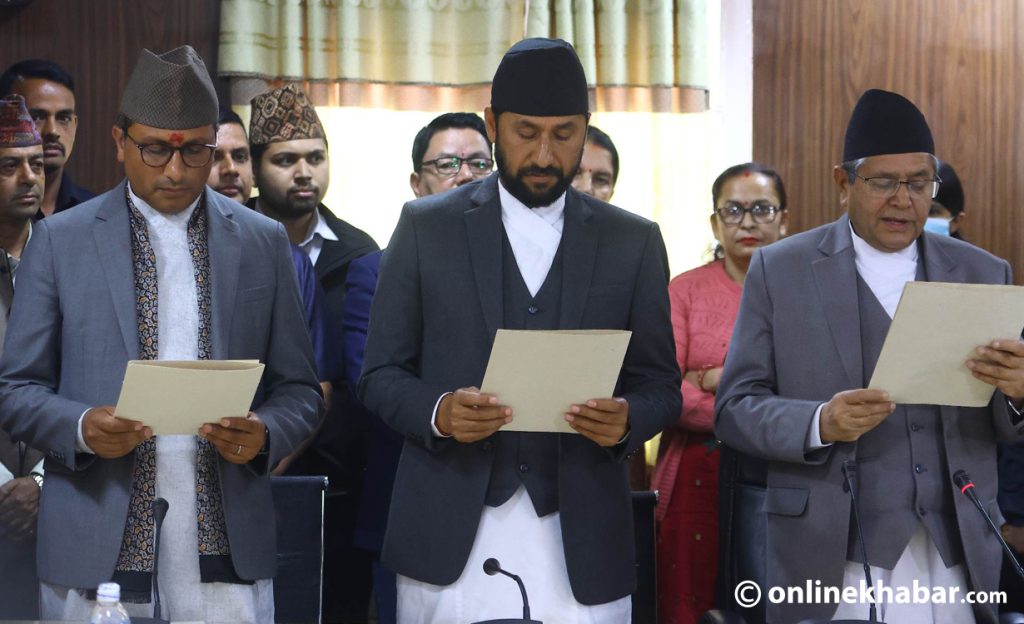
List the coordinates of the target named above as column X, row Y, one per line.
column 749, row 212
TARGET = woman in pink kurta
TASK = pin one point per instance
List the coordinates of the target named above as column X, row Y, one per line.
column 749, row 212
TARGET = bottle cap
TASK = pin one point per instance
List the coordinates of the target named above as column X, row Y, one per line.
column 108, row 593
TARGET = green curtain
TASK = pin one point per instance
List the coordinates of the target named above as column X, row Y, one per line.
column 628, row 43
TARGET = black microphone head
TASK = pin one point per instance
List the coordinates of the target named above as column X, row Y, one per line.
column 961, row 479
column 160, row 507
column 492, row 567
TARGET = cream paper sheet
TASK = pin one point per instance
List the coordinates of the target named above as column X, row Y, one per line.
column 179, row 396
column 540, row 374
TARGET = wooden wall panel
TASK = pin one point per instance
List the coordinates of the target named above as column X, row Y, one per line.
column 960, row 61
column 98, row 41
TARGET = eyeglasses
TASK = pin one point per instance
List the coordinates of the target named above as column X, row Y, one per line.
column 194, row 155
column 449, row 166
column 731, row 213
column 918, row 188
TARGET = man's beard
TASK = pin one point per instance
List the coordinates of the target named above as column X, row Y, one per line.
column 516, row 185
column 288, row 207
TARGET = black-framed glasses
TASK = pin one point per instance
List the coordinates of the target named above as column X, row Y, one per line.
column 194, row 155
column 450, row 166
column 884, row 188
column 731, row 213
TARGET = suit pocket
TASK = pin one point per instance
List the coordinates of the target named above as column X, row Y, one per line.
column 253, row 294
column 785, row 501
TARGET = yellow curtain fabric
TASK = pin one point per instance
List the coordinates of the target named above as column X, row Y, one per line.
column 622, row 43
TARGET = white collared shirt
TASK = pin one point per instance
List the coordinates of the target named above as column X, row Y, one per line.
column 318, row 232
column 534, row 235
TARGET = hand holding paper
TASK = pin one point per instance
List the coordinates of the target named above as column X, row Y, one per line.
column 469, row 415
column 604, row 421
column 238, row 440
column 542, row 375
column 1001, row 364
column 109, row 436
column 935, row 335
column 852, row 413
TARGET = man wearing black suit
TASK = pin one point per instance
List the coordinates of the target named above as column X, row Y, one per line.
column 291, row 163
column 520, row 250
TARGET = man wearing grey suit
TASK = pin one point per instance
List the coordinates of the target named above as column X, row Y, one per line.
column 160, row 267
column 815, row 311
column 520, row 250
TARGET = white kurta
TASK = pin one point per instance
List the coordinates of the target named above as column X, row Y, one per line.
column 182, row 595
column 512, row 533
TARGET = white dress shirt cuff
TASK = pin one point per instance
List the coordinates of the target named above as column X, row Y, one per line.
column 80, row 444
column 813, row 441
column 38, row 468
column 433, row 417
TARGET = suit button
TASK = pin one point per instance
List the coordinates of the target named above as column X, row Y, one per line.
column 524, row 468
column 918, row 468
column 921, row 511
column 916, row 427
column 533, row 309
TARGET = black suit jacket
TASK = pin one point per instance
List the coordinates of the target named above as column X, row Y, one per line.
column 437, row 309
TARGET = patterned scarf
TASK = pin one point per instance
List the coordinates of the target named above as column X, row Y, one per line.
column 135, row 561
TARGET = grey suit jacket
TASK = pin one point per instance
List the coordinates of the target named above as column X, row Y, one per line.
column 71, row 333
column 795, row 344
column 434, row 317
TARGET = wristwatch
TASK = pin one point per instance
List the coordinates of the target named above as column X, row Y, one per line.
column 38, row 478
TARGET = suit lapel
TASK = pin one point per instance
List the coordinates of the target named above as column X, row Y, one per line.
column 835, row 276
column 484, row 230
column 225, row 255
column 112, row 234
column 579, row 250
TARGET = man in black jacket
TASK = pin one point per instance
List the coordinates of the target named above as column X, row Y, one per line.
column 292, row 167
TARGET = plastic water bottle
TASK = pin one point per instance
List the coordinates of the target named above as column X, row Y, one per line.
column 108, row 609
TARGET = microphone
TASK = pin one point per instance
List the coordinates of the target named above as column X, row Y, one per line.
column 849, row 481
column 159, row 507
column 849, row 486
column 963, row 481
column 492, row 567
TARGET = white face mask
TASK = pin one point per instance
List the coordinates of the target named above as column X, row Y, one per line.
column 937, row 225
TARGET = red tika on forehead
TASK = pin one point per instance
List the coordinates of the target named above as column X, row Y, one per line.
column 177, row 138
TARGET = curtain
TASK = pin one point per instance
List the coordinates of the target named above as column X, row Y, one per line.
column 638, row 54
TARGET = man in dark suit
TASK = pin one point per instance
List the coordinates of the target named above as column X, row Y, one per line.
column 816, row 309
column 520, row 250
column 160, row 267
column 291, row 161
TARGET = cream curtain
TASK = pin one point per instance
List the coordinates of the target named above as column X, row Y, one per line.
column 650, row 54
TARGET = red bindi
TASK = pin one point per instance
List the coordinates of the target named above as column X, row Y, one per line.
column 177, row 138
column 746, row 174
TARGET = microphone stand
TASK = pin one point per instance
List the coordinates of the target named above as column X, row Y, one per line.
column 159, row 507
column 492, row 567
column 849, row 480
column 963, row 481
